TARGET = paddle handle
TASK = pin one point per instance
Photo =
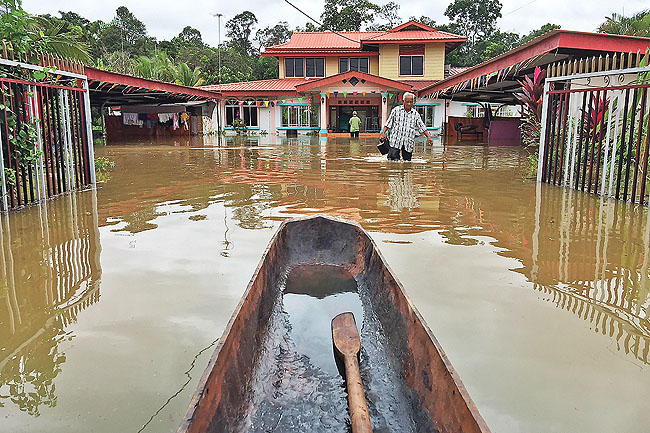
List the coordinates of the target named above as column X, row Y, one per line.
column 356, row 398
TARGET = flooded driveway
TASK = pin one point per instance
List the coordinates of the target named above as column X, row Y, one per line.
column 111, row 301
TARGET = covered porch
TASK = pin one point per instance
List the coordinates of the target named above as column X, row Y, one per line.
column 372, row 97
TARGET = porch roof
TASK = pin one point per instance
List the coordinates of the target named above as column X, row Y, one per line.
column 496, row 79
column 352, row 78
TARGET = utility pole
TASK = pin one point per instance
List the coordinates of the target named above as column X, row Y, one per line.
column 218, row 15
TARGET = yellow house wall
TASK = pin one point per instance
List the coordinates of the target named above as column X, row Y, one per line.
column 374, row 65
column 434, row 62
column 331, row 66
column 281, row 71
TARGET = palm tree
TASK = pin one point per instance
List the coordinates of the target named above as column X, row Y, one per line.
column 30, row 34
column 635, row 25
column 188, row 77
column 159, row 67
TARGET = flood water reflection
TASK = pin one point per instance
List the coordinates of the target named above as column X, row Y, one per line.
column 111, row 299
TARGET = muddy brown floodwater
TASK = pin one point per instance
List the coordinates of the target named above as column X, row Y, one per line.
column 111, row 300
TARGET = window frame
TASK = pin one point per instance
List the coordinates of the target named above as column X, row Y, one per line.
column 410, row 56
column 242, row 112
column 315, row 66
column 349, row 64
column 293, row 68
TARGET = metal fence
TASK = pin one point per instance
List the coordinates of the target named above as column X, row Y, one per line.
column 594, row 135
column 46, row 145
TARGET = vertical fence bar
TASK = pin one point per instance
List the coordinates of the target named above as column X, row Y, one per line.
column 638, row 145
column 551, row 144
column 89, row 133
column 622, row 145
column 558, row 141
column 629, row 145
column 587, row 118
column 541, row 154
column 594, row 137
column 583, row 115
column 576, row 121
column 645, row 162
column 600, row 139
column 613, row 161
column 3, row 187
column 607, row 144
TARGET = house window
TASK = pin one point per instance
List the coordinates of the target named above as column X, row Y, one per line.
column 300, row 116
column 314, row 67
column 426, row 112
column 293, row 67
column 353, row 64
column 232, row 112
column 245, row 112
column 411, row 60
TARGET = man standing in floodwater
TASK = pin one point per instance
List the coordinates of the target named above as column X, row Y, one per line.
column 404, row 124
column 355, row 125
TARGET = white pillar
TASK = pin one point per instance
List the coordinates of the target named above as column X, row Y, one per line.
column 384, row 109
column 323, row 115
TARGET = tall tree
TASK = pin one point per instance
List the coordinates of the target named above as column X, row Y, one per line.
column 474, row 19
column 388, row 13
column 239, row 30
column 268, row 36
column 535, row 33
column 126, row 33
column 341, row 15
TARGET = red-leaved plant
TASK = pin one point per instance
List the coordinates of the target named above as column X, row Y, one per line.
column 532, row 91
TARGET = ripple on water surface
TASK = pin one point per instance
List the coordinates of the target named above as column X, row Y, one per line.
column 297, row 385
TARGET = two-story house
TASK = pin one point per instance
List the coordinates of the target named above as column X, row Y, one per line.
column 325, row 76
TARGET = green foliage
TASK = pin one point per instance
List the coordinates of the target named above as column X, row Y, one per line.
column 341, row 15
column 475, row 20
column 31, row 34
column 103, row 164
column 10, row 176
column 635, row 25
column 239, row 30
column 239, row 126
column 187, row 77
column 273, row 35
column 157, row 67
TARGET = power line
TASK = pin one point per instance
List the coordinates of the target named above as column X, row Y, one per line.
column 319, row 23
column 520, row 7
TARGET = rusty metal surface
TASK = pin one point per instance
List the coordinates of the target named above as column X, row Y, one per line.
column 220, row 398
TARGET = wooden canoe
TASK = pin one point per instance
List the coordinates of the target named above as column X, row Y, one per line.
column 250, row 386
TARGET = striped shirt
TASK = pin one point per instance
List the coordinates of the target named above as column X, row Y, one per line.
column 404, row 127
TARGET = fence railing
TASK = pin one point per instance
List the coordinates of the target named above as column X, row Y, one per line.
column 46, row 145
column 594, row 134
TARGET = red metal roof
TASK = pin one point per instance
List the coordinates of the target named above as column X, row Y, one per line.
column 414, row 35
column 276, row 84
column 317, row 83
column 417, row 85
column 128, row 80
column 325, row 41
column 553, row 41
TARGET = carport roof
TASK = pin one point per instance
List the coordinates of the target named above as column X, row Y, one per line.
column 496, row 79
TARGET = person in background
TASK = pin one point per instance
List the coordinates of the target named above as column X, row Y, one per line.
column 405, row 124
column 355, row 125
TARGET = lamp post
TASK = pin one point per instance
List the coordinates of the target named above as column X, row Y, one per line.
column 218, row 15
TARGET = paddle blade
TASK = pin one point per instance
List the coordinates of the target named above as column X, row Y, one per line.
column 345, row 335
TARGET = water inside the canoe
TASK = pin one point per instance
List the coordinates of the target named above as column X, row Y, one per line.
column 297, row 385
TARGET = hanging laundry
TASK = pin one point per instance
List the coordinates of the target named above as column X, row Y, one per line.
column 152, row 116
column 131, row 119
column 185, row 116
column 165, row 117
column 142, row 116
column 175, row 121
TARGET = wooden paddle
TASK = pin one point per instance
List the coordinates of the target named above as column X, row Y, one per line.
column 347, row 345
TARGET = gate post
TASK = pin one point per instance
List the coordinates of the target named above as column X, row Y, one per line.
column 542, row 134
column 89, row 131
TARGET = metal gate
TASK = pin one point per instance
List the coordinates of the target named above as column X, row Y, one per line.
column 594, row 135
column 46, row 145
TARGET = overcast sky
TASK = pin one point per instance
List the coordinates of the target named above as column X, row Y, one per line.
column 166, row 18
